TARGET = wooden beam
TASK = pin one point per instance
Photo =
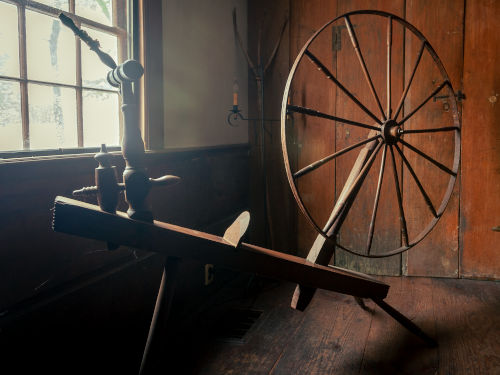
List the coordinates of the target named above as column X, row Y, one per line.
column 87, row 220
column 322, row 251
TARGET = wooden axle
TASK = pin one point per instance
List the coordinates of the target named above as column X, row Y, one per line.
column 87, row 220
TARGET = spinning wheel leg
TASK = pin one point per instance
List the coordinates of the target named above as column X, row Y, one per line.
column 322, row 250
column 405, row 322
column 361, row 303
column 157, row 330
column 400, row 318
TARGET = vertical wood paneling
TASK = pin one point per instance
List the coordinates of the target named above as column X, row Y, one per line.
column 371, row 32
column 265, row 21
column 280, row 197
column 315, row 138
column 480, row 194
column 442, row 24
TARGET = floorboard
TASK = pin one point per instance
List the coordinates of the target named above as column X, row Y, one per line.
column 468, row 326
column 264, row 342
column 335, row 336
column 390, row 348
column 331, row 338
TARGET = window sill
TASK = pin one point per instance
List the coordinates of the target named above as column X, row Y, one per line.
column 17, row 156
column 87, row 155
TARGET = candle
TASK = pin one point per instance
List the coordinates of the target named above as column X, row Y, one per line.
column 236, row 89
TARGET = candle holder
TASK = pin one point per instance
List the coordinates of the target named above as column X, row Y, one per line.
column 235, row 114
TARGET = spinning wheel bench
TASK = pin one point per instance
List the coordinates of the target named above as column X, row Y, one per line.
column 137, row 229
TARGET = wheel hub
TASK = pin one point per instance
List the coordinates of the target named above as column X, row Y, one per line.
column 390, row 131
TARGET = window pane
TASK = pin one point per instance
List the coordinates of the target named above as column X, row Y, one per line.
column 11, row 133
column 52, row 114
column 100, row 118
column 59, row 4
column 96, row 10
column 50, row 49
column 93, row 70
column 9, row 41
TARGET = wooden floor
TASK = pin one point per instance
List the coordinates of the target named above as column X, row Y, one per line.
column 335, row 336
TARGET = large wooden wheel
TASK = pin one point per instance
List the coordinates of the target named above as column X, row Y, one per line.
column 395, row 128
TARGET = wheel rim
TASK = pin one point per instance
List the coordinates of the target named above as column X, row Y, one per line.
column 388, row 134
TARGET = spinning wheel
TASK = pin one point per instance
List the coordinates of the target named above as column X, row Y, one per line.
column 137, row 228
column 389, row 119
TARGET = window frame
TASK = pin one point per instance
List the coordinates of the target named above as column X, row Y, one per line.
column 148, row 49
column 143, row 18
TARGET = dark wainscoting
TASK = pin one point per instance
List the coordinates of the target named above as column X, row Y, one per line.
column 65, row 302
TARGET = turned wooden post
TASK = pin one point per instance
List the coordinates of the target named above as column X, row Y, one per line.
column 135, row 178
column 137, row 187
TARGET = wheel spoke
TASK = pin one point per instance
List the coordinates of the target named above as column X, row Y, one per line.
column 434, row 93
column 425, row 156
column 417, row 181
column 313, row 112
column 356, row 184
column 319, row 163
column 402, row 219
column 389, row 54
column 407, row 88
column 433, row 130
column 321, row 67
column 375, row 204
column 355, row 44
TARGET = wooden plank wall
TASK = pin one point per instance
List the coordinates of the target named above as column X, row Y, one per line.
column 480, row 194
column 442, row 24
column 355, row 229
column 316, row 92
column 462, row 244
column 265, row 20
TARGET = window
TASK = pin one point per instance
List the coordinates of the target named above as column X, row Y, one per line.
column 53, row 90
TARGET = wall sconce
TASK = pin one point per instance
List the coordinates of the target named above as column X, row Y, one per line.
column 235, row 112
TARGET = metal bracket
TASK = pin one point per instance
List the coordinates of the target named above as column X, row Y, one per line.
column 235, row 114
column 459, row 95
column 337, row 37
